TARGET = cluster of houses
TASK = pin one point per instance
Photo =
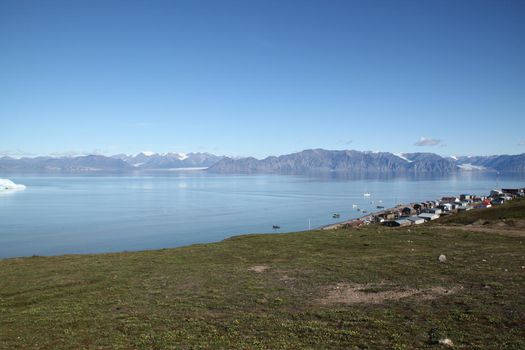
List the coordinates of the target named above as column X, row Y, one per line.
column 419, row 213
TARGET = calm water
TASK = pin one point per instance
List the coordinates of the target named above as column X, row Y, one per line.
column 92, row 214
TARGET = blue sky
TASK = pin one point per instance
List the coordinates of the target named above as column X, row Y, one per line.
column 262, row 77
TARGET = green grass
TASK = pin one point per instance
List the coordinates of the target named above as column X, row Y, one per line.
column 205, row 296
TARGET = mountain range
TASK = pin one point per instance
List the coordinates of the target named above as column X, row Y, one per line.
column 314, row 160
column 150, row 160
column 116, row 163
column 319, row 160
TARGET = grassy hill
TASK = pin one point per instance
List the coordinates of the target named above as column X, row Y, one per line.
column 367, row 288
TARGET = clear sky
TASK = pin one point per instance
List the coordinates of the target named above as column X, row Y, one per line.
column 262, row 77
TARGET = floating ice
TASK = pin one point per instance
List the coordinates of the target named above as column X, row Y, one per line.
column 6, row 184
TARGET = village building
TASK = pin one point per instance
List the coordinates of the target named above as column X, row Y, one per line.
column 416, row 220
column 445, row 207
column 495, row 193
column 433, row 211
column 498, row 201
column 465, row 208
column 428, row 216
column 514, row 191
column 404, row 222
column 407, row 211
column 397, row 223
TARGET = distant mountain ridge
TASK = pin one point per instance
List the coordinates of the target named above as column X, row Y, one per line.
column 501, row 163
column 64, row 164
column 313, row 160
column 320, row 160
column 116, row 163
column 147, row 160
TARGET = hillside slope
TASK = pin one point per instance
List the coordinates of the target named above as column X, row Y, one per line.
column 372, row 287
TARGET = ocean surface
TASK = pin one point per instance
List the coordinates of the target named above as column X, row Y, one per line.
column 112, row 213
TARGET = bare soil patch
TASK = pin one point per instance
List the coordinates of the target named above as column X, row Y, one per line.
column 259, row 268
column 345, row 293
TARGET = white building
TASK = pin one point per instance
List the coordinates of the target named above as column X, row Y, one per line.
column 416, row 220
column 429, row 216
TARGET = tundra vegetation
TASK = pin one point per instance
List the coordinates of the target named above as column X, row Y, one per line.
column 367, row 288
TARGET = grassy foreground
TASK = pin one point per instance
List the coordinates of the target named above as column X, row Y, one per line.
column 367, row 288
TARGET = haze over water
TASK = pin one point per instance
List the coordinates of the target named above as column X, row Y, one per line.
column 94, row 214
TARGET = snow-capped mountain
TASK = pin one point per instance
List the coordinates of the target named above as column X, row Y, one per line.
column 316, row 160
column 319, row 160
column 170, row 160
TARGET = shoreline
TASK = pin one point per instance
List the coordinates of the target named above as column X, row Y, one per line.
column 474, row 202
column 362, row 220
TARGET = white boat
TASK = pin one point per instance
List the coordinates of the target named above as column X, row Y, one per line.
column 354, row 206
column 366, row 194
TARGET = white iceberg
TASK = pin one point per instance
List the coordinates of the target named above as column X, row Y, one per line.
column 6, row 184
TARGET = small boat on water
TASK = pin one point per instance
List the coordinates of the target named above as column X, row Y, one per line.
column 354, row 206
column 276, row 227
column 336, row 215
column 380, row 207
column 364, row 211
column 366, row 194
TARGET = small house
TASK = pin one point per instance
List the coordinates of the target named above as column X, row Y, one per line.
column 445, row 207
column 397, row 223
column 387, row 216
column 495, row 193
column 433, row 211
column 407, row 211
column 429, row 216
column 404, row 222
column 513, row 191
column 498, row 201
column 390, row 223
column 465, row 208
column 416, row 220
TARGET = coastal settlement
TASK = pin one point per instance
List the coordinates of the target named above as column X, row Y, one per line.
column 420, row 212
